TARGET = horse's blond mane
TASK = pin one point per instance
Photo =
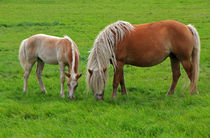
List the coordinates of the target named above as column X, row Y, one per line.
column 103, row 52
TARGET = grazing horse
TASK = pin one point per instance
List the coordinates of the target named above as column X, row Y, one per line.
column 143, row 45
column 51, row 50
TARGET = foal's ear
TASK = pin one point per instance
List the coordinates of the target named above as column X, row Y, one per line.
column 90, row 71
column 78, row 76
column 68, row 75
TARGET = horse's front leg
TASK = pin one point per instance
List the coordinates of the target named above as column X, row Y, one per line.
column 62, row 78
column 122, row 84
column 117, row 77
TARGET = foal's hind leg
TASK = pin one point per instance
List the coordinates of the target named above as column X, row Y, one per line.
column 175, row 67
column 188, row 68
column 122, row 84
column 27, row 70
column 39, row 69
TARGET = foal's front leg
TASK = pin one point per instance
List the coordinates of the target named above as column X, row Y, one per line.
column 62, row 78
column 117, row 78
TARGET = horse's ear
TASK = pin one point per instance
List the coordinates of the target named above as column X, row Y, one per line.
column 90, row 71
column 78, row 76
column 104, row 70
column 68, row 74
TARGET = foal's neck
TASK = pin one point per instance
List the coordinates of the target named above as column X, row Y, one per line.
column 73, row 69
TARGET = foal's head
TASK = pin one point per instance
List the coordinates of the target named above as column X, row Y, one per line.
column 96, row 81
column 72, row 83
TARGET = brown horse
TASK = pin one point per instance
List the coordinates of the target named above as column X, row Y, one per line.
column 143, row 45
column 51, row 50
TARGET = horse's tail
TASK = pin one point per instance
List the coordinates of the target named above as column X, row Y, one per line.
column 103, row 53
column 195, row 57
column 22, row 53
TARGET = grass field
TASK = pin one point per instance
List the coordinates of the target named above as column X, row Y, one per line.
column 145, row 111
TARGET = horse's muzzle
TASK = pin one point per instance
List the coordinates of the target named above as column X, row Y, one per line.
column 99, row 96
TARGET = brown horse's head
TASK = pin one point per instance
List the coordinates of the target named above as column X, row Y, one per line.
column 72, row 83
column 96, row 81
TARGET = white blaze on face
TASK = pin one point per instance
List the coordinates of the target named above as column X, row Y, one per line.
column 73, row 84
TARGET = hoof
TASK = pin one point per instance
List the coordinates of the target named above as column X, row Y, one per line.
column 124, row 93
column 24, row 90
column 44, row 91
column 170, row 93
column 195, row 92
column 114, row 97
column 71, row 97
column 62, row 96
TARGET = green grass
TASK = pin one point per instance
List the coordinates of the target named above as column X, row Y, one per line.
column 145, row 111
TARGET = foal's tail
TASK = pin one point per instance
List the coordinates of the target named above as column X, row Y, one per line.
column 195, row 58
column 22, row 53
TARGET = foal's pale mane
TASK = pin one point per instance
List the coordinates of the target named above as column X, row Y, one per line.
column 103, row 52
column 73, row 75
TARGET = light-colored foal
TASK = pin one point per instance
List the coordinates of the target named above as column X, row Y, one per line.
column 51, row 50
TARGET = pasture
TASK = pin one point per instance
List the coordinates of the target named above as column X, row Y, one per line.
column 145, row 112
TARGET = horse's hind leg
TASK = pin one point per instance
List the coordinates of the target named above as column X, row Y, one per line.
column 27, row 70
column 188, row 68
column 39, row 69
column 175, row 67
column 122, row 84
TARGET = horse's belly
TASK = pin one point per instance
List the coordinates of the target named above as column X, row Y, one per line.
column 145, row 55
column 146, row 59
column 144, row 62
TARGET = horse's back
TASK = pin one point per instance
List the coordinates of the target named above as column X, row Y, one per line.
column 149, row 44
